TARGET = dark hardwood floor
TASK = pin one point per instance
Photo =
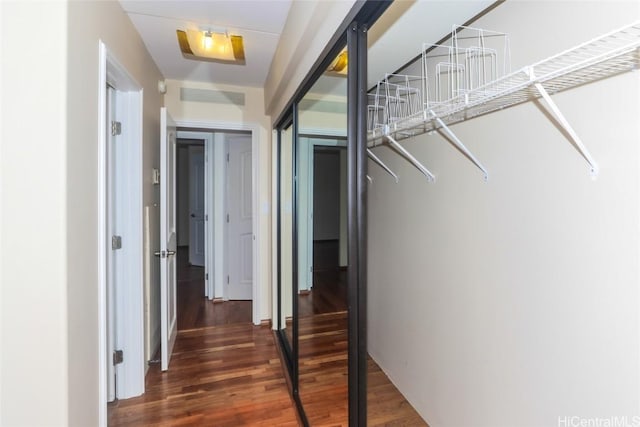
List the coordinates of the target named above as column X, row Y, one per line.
column 194, row 309
column 329, row 292
column 385, row 405
column 227, row 375
column 328, row 295
column 226, row 372
column 323, row 352
column 323, row 380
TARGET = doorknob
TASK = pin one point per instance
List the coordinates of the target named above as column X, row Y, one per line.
column 164, row 254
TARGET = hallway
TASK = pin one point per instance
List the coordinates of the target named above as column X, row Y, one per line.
column 224, row 371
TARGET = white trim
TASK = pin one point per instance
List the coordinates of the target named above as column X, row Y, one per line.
column 257, row 231
column 275, row 177
column 210, row 253
column 102, row 237
column 222, row 177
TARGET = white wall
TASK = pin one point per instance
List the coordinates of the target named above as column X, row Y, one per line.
column 33, row 189
column 324, row 123
column 50, row 182
column 89, row 22
column 251, row 113
column 515, row 301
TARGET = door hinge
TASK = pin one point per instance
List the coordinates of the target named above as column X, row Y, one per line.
column 116, row 128
column 206, row 217
column 227, row 280
column 227, row 157
column 206, row 276
column 227, row 217
column 118, row 357
column 116, row 242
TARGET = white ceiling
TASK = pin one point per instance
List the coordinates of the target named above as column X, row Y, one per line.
column 259, row 22
column 394, row 39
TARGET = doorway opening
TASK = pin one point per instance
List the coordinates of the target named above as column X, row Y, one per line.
column 323, row 224
column 329, row 228
column 214, row 228
column 120, row 235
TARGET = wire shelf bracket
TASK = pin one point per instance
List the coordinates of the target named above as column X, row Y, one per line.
column 430, row 177
column 382, row 165
column 555, row 111
column 456, row 141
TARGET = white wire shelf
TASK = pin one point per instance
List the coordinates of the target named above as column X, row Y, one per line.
column 611, row 54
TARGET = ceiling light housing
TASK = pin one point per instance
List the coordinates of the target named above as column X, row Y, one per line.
column 338, row 66
column 210, row 45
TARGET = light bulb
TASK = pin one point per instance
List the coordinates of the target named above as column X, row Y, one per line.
column 207, row 41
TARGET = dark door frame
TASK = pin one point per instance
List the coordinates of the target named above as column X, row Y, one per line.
column 352, row 33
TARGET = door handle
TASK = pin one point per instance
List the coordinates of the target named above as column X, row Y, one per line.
column 164, row 254
column 193, row 215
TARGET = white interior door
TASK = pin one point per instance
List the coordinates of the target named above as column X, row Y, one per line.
column 240, row 218
column 168, row 243
column 196, row 206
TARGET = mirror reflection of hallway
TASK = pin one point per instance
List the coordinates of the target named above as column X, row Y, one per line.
column 322, row 297
column 327, row 233
column 322, row 305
